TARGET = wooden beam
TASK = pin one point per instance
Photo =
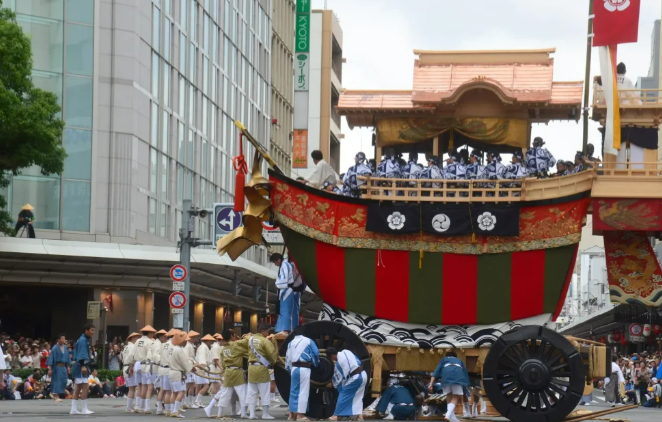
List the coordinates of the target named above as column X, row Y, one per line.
column 435, row 146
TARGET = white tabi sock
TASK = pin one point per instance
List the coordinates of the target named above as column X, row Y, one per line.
column 483, row 406
column 210, row 407
column 265, row 412
column 251, row 409
column 147, row 404
column 84, row 405
column 474, row 410
column 159, row 406
column 199, row 399
column 74, row 406
column 243, row 411
column 451, row 410
column 139, row 403
column 273, row 396
column 129, row 403
column 467, row 412
column 178, row 404
column 220, row 411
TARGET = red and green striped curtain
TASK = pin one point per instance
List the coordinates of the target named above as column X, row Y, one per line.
column 449, row 289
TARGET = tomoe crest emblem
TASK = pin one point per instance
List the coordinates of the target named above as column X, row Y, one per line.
column 614, row 5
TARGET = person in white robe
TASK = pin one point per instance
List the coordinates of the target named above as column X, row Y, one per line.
column 323, row 172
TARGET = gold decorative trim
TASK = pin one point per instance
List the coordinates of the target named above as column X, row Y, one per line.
column 416, row 246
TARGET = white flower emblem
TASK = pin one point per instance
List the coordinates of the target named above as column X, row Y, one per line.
column 441, row 223
column 486, row 221
column 620, row 5
column 396, row 221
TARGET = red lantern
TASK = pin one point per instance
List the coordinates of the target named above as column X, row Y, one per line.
column 623, row 341
column 603, row 340
column 657, row 329
column 617, row 336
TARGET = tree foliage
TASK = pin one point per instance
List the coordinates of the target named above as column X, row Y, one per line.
column 30, row 130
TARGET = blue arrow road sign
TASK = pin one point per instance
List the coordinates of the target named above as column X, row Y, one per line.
column 226, row 219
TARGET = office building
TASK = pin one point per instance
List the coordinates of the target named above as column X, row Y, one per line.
column 282, row 84
column 324, row 87
column 149, row 91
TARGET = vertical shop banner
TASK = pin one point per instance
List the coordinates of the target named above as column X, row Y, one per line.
column 301, row 71
column 300, row 149
column 301, row 84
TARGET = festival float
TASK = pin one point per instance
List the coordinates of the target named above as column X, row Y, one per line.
column 411, row 270
column 414, row 268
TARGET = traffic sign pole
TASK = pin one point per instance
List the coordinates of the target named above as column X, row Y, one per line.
column 186, row 242
column 185, row 259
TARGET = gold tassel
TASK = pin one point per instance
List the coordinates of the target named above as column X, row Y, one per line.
column 420, row 259
column 473, row 237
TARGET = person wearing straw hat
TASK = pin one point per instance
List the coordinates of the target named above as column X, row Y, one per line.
column 141, row 365
column 163, row 398
column 202, row 357
column 215, row 365
column 180, row 365
column 190, row 378
column 262, row 355
column 25, row 220
column 216, row 398
column 232, row 359
column 129, row 376
column 152, row 369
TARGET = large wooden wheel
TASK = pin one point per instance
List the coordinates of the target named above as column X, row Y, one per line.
column 322, row 401
column 533, row 374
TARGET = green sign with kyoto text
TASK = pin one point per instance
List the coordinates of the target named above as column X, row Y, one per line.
column 303, row 6
column 302, row 38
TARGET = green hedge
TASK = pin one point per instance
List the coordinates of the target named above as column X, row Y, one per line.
column 104, row 374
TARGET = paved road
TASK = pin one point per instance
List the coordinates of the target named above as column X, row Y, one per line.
column 112, row 410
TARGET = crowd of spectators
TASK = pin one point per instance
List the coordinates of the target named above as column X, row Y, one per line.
column 643, row 379
column 28, row 357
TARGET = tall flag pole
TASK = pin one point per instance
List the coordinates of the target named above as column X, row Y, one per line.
column 615, row 22
column 587, row 79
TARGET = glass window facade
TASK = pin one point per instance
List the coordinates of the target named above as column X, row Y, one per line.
column 62, row 38
column 208, row 64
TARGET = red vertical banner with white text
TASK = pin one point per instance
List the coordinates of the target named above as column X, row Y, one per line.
column 615, row 22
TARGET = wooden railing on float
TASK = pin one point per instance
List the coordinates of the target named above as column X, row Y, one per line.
column 628, row 180
column 462, row 191
column 631, row 98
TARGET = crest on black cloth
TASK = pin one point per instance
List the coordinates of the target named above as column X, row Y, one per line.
column 444, row 220
column 448, row 220
column 397, row 219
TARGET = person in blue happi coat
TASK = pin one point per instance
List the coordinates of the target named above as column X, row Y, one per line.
column 302, row 355
column 80, row 371
column 539, row 161
column 351, row 183
column 397, row 401
column 350, row 379
column 290, row 286
column 454, row 378
column 58, row 363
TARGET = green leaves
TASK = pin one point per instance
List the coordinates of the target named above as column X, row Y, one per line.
column 30, row 129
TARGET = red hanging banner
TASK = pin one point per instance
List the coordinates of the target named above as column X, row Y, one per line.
column 615, row 22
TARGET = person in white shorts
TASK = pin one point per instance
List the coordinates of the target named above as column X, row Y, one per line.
column 454, row 376
column 180, row 365
column 80, row 371
column 215, row 364
column 152, row 368
column 129, row 376
column 189, row 348
column 139, row 357
column 163, row 399
column 202, row 357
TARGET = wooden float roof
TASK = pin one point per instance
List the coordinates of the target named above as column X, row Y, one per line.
column 517, row 77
